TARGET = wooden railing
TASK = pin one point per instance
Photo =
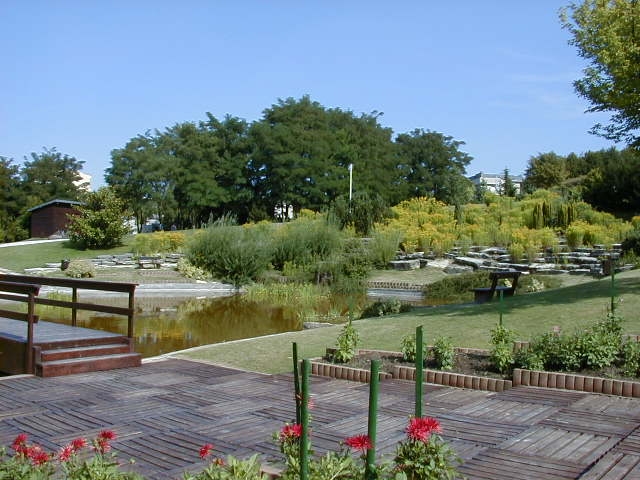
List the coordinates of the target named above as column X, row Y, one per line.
column 74, row 304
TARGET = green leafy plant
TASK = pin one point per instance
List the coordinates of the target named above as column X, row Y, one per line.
column 380, row 308
column 80, row 269
column 230, row 469
column 31, row 462
column 423, row 455
column 631, row 358
column 443, row 353
column 408, row 348
column 347, row 343
column 502, row 348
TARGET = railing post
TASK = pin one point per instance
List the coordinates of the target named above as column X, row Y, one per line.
column 296, row 383
column 74, row 310
column 304, row 414
column 131, row 312
column 30, row 313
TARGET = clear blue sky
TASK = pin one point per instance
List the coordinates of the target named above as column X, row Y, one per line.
column 86, row 76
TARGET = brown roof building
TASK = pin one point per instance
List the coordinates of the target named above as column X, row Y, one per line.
column 51, row 218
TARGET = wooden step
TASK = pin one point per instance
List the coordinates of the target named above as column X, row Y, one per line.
column 88, row 364
column 85, row 351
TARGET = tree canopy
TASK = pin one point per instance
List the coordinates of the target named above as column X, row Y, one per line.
column 295, row 157
column 607, row 34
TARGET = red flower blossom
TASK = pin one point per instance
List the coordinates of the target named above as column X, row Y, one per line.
column 359, row 442
column 78, row 444
column 421, row 428
column 291, row 431
column 37, row 455
column 101, row 445
column 66, row 453
column 19, row 444
column 107, row 435
column 205, row 450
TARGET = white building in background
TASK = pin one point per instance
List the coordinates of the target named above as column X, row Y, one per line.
column 493, row 182
column 85, row 182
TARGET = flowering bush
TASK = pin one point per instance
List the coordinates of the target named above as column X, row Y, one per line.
column 31, row 462
column 232, row 468
column 424, row 455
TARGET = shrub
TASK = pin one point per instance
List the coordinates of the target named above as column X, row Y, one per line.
column 502, row 348
column 305, row 241
column 347, row 343
column 631, row 358
column 80, row 269
column 443, row 353
column 101, row 222
column 383, row 247
column 158, row 242
column 457, row 287
column 187, row 270
column 231, row 253
column 408, row 348
column 599, row 346
column 380, row 308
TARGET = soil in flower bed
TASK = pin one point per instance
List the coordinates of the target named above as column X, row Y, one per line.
column 467, row 363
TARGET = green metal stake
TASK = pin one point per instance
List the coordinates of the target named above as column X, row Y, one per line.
column 304, row 415
column 419, row 371
column 374, row 382
column 296, row 382
column 613, row 287
column 501, row 305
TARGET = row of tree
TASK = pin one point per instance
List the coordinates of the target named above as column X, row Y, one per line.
column 297, row 156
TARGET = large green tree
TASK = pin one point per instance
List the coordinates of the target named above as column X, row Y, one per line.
column 607, row 34
column 545, row 170
column 50, row 175
column 302, row 152
column 432, row 164
column 11, row 202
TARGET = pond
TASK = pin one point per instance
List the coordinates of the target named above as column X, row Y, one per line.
column 164, row 324
column 195, row 322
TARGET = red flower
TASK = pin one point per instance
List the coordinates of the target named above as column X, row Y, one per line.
column 359, row 442
column 205, row 450
column 421, row 428
column 78, row 444
column 107, row 435
column 20, row 443
column 291, row 431
column 101, row 445
column 66, row 453
column 37, row 455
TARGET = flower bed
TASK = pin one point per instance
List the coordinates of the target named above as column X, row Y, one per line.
column 542, row 379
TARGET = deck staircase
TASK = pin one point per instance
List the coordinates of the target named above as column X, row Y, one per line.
column 84, row 355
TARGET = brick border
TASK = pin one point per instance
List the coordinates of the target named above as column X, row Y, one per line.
column 576, row 382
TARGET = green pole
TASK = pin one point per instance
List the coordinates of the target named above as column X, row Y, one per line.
column 296, row 381
column 419, row 371
column 501, row 305
column 374, row 383
column 613, row 287
column 304, row 416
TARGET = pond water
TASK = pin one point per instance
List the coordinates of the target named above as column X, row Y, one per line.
column 164, row 324
column 195, row 322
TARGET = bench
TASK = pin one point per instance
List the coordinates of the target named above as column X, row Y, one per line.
column 482, row 295
column 149, row 262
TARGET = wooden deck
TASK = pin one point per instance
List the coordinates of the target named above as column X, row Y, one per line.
column 165, row 410
column 62, row 349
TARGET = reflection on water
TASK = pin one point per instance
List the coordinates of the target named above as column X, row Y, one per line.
column 197, row 322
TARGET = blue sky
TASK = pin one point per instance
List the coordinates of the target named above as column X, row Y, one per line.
column 86, row 76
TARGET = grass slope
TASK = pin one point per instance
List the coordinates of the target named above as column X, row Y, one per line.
column 572, row 307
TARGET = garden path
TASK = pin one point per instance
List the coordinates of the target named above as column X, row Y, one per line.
column 164, row 411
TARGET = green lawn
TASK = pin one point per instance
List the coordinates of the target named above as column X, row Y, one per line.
column 570, row 307
column 37, row 255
